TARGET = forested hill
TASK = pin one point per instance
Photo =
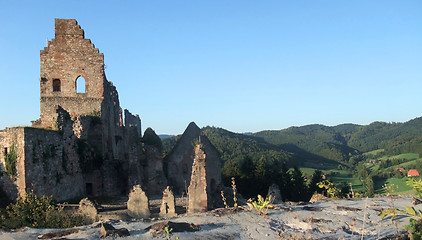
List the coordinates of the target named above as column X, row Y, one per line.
column 342, row 142
column 315, row 146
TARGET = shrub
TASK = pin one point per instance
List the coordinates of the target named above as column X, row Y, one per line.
column 38, row 212
column 10, row 161
column 330, row 189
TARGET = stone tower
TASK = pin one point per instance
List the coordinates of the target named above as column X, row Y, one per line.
column 68, row 61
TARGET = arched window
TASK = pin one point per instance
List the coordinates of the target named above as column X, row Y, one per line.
column 80, row 85
column 56, row 85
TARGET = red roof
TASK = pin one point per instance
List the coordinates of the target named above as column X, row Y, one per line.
column 412, row 173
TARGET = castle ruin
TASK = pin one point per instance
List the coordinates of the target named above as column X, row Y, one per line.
column 80, row 145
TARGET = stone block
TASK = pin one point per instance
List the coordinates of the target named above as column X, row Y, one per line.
column 168, row 206
column 138, row 205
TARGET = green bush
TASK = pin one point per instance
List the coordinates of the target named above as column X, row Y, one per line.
column 10, row 161
column 38, row 212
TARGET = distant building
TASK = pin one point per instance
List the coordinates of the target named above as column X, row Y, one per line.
column 401, row 170
column 413, row 173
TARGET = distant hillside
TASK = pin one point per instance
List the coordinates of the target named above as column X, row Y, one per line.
column 342, row 142
column 235, row 147
column 317, row 146
column 320, row 140
column 232, row 145
column 165, row 136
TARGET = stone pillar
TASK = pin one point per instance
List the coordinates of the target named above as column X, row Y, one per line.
column 138, row 205
column 168, row 204
column 197, row 191
column 274, row 193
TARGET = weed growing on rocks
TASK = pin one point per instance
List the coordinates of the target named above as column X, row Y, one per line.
column 234, row 192
column 262, row 205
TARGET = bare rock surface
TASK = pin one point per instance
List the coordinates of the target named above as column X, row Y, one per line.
column 325, row 219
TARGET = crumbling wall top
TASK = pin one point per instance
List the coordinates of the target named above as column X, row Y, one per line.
column 68, row 27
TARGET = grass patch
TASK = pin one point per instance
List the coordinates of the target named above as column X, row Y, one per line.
column 407, row 156
column 374, row 153
column 308, row 171
column 402, row 188
column 343, row 176
column 406, row 164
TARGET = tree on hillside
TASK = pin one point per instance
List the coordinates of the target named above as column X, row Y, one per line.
column 284, row 182
column 299, row 190
column 316, row 178
column 369, row 186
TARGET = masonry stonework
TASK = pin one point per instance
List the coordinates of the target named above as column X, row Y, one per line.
column 81, row 146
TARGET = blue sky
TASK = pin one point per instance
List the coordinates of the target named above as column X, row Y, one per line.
column 244, row 66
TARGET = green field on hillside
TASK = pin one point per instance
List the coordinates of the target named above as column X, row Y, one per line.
column 374, row 153
column 342, row 176
column 400, row 183
column 407, row 156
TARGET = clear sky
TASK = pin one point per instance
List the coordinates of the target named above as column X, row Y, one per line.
column 242, row 65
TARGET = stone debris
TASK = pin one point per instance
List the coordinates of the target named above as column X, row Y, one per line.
column 352, row 209
column 58, row 234
column 158, row 228
column 317, row 197
column 107, row 230
column 138, row 205
column 168, row 204
column 88, row 209
column 416, row 201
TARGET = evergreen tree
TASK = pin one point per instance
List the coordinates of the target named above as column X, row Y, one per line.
column 299, row 190
column 316, row 178
column 369, row 185
column 284, row 182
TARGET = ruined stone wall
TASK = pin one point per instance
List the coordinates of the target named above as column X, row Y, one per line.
column 87, row 139
column 46, row 163
column 90, row 151
column 178, row 162
column 154, row 175
column 66, row 58
column 52, row 165
column 14, row 185
column 134, row 149
column 48, row 105
column 115, row 166
column 213, row 165
column 205, row 177
column 133, row 123
column 198, row 187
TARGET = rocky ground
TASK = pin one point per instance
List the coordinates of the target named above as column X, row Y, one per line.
column 325, row 219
